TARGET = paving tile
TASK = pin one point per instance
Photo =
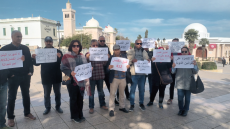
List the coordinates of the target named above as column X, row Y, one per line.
column 108, row 125
column 51, row 121
column 224, row 126
column 97, row 120
column 82, row 125
column 197, row 125
column 57, row 126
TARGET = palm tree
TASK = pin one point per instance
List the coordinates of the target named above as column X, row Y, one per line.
column 203, row 42
column 116, row 30
column 191, row 35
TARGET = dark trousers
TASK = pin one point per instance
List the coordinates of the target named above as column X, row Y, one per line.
column 150, row 82
column 171, row 89
column 76, row 102
column 126, row 92
column 155, row 89
column 106, row 79
column 13, row 84
column 57, row 92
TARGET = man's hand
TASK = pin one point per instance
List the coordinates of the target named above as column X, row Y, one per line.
column 92, row 68
column 174, row 65
column 59, row 55
column 171, row 57
column 127, row 66
column 153, row 58
column 148, row 60
column 108, row 56
column 87, row 56
column 167, row 47
column 194, row 62
column 30, row 74
column 73, row 73
column 12, row 76
column 34, row 56
column 23, row 58
column 110, row 66
column 134, row 60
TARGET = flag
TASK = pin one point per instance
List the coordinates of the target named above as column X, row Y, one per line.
column 106, row 26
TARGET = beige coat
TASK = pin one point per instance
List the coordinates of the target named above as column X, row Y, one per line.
column 131, row 56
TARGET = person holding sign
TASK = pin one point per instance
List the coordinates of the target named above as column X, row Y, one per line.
column 21, row 78
column 135, row 54
column 160, row 73
column 98, row 75
column 75, row 88
column 51, row 77
column 183, row 77
column 117, row 80
column 150, row 54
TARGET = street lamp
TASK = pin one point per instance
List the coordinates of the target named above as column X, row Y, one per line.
column 164, row 40
column 58, row 25
column 81, row 32
column 158, row 40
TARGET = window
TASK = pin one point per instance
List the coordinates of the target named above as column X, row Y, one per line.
column 12, row 29
column 54, row 32
column 19, row 28
column 4, row 31
column 72, row 16
column 26, row 30
column 66, row 15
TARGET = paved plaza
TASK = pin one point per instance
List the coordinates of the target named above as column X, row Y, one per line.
column 210, row 109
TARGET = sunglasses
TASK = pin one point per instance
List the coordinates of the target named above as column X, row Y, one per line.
column 102, row 40
column 138, row 43
column 76, row 46
column 95, row 45
column 184, row 51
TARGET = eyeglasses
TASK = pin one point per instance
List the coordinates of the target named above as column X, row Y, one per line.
column 76, row 46
column 95, row 45
column 184, row 51
column 139, row 44
column 102, row 40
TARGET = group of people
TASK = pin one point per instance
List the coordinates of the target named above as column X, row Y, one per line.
column 116, row 81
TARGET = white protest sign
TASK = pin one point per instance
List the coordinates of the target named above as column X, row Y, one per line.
column 10, row 59
column 83, row 71
column 124, row 44
column 98, row 54
column 184, row 61
column 47, row 55
column 148, row 43
column 119, row 63
column 143, row 67
column 175, row 47
column 162, row 55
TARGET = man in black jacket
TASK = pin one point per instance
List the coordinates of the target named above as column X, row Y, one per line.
column 21, row 78
column 51, row 76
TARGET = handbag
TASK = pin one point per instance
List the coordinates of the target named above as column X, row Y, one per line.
column 165, row 79
column 66, row 80
column 196, row 86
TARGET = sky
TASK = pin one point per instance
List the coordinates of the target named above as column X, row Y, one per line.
column 162, row 18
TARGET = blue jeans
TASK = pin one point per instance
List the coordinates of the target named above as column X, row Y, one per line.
column 101, row 94
column 3, row 98
column 140, row 81
column 181, row 94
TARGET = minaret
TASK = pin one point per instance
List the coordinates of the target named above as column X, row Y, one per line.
column 69, row 20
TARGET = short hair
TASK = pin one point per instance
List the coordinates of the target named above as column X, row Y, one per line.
column 101, row 36
column 137, row 40
column 176, row 39
column 71, row 45
column 93, row 40
column 186, row 48
column 14, row 31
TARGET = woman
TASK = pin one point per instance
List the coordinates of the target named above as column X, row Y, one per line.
column 75, row 88
column 163, row 68
column 183, row 76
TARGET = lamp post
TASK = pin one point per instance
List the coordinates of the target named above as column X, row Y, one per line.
column 158, row 40
column 163, row 40
column 81, row 32
column 58, row 25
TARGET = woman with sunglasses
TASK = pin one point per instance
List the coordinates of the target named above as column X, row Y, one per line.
column 182, row 79
column 75, row 88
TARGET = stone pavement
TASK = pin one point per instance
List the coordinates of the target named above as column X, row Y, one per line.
column 210, row 109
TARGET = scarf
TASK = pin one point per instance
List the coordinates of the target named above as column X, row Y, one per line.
column 69, row 61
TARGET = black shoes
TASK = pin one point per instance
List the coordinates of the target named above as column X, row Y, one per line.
column 59, row 110
column 46, row 111
column 77, row 120
column 82, row 119
column 131, row 108
column 124, row 110
column 160, row 105
column 142, row 107
column 180, row 113
column 150, row 104
column 184, row 113
column 116, row 102
column 111, row 113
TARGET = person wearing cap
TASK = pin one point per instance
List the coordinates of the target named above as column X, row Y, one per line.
column 20, row 77
column 117, row 79
column 51, row 77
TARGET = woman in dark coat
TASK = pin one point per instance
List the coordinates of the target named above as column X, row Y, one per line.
column 223, row 61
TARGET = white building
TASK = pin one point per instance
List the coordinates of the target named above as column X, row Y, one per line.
column 33, row 29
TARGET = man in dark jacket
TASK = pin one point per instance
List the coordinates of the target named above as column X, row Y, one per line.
column 51, row 76
column 21, row 78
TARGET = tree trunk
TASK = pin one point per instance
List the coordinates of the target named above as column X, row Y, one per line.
column 203, row 49
column 191, row 46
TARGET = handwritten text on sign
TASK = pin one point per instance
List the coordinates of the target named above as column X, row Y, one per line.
column 148, row 43
column 10, row 59
column 162, row 55
column 119, row 63
column 142, row 67
column 184, row 61
column 47, row 55
column 98, row 54
column 175, row 47
column 83, row 71
column 124, row 44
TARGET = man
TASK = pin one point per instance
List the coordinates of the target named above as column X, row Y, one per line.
column 138, row 53
column 171, row 89
column 98, row 75
column 150, row 55
column 51, row 77
column 223, row 61
column 21, row 78
column 117, row 80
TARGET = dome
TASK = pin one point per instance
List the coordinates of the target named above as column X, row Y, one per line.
column 92, row 23
column 197, row 26
column 108, row 29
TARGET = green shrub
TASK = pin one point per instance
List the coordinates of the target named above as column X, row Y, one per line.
column 209, row 65
column 199, row 65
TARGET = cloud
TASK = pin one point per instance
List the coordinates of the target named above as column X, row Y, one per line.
column 184, row 5
column 136, row 29
column 88, row 8
column 94, row 13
